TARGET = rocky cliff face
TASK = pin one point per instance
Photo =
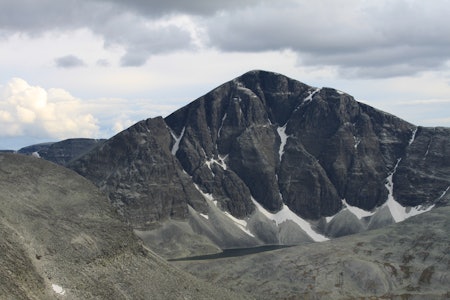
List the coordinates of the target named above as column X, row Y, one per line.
column 264, row 146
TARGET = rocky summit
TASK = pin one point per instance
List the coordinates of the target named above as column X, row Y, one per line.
column 265, row 159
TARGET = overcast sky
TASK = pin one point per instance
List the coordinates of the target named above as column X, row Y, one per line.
column 90, row 68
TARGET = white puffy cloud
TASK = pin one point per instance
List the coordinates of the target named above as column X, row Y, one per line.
column 32, row 111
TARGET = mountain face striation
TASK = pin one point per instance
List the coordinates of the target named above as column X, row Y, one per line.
column 265, row 159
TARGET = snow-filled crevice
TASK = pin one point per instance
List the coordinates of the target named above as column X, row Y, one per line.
column 358, row 212
column 221, row 125
column 357, row 142
column 308, row 98
column 241, row 224
column 400, row 213
column 311, row 95
column 397, row 211
column 176, row 145
column 283, row 138
column 286, row 214
column 221, row 162
column 413, row 136
column 208, row 197
column 428, row 149
column 443, row 193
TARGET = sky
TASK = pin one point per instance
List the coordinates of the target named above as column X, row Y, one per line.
column 91, row 68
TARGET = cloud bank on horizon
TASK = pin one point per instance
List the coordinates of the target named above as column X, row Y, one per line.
column 171, row 51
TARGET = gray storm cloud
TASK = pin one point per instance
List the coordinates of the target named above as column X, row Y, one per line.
column 69, row 61
column 374, row 38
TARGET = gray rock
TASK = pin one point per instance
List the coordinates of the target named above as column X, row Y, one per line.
column 423, row 173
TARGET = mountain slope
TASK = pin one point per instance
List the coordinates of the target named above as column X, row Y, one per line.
column 408, row 260
column 61, row 239
column 263, row 149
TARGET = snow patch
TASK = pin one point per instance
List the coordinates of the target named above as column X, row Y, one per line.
column 58, row 289
column 308, row 98
column 311, row 95
column 283, row 137
column 208, row 197
column 242, row 224
column 413, row 136
column 399, row 212
column 221, row 125
column 221, row 162
column 286, row 214
column 357, row 141
column 358, row 212
column 428, row 150
column 443, row 194
column 176, row 145
column 328, row 219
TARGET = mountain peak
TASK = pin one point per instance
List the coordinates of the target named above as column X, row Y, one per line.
column 263, row 143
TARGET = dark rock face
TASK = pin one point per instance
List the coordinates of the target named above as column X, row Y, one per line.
column 62, row 152
column 274, row 139
column 423, row 173
column 140, row 175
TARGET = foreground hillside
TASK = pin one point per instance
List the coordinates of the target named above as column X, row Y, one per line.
column 60, row 239
column 408, row 260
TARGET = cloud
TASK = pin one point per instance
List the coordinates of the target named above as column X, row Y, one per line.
column 103, row 63
column 361, row 38
column 140, row 35
column 32, row 111
column 69, row 61
column 369, row 39
column 195, row 7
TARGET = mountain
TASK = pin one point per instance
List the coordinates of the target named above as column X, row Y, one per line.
column 61, row 240
column 62, row 152
column 265, row 159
